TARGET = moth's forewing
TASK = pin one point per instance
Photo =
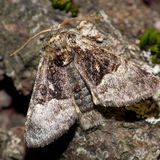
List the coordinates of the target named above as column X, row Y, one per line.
column 51, row 110
column 114, row 81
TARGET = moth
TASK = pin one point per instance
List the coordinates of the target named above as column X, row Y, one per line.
column 74, row 76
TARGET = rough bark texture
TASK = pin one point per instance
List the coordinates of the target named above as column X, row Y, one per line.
column 118, row 138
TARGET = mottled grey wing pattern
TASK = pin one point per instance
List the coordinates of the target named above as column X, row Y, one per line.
column 113, row 81
column 51, row 110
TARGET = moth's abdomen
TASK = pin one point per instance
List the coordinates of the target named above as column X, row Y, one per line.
column 80, row 91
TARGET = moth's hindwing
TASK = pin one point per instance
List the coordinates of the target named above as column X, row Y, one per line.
column 113, row 81
column 51, row 110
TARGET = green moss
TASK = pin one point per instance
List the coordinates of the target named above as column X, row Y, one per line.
column 155, row 50
column 150, row 40
column 145, row 109
column 66, row 5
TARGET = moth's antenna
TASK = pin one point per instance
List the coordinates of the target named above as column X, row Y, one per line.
column 30, row 39
column 66, row 21
column 87, row 18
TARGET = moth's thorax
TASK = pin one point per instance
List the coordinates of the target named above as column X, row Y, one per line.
column 60, row 47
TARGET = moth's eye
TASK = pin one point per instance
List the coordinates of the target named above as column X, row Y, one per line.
column 71, row 36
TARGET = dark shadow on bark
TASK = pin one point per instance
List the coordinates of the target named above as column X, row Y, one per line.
column 20, row 101
column 54, row 150
column 130, row 115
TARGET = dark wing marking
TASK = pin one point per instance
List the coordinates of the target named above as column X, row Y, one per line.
column 113, row 81
column 51, row 110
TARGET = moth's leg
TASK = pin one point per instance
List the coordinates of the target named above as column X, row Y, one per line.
column 91, row 119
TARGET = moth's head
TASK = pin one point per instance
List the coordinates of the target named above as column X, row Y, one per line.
column 59, row 47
